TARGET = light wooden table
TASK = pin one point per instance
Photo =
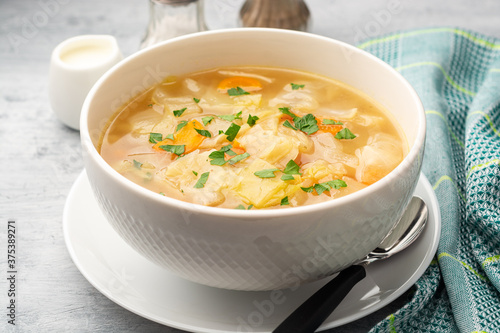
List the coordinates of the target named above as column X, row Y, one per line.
column 40, row 157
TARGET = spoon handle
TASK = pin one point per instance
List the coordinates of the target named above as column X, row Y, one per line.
column 313, row 312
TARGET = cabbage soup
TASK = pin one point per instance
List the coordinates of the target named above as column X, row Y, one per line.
column 253, row 138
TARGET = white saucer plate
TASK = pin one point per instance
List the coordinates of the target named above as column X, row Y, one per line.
column 131, row 281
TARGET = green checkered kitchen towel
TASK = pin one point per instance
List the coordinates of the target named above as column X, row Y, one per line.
column 457, row 75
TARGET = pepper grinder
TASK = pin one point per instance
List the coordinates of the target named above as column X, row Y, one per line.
column 284, row 14
column 172, row 18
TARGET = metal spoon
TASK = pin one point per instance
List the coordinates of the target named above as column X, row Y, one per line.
column 313, row 312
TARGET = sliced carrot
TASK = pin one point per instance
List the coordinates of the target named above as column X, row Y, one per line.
column 285, row 117
column 333, row 129
column 186, row 136
column 245, row 83
column 238, row 148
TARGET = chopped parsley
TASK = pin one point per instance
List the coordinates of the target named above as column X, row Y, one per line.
column 252, row 120
column 207, row 120
column 326, row 186
column 238, row 158
column 179, row 113
column 174, row 149
column 230, row 117
column 232, row 131
column 150, row 105
column 203, row 132
column 307, row 124
column 296, row 86
column 291, row 169
column 170, row 137
column 137, row 164
column 196, row 100
column 345, row 133
column 331, row 122
column 218, row 157
column 240, row 206
column 266, row 173
column 195, row 173
column 181, row 125
column 203, row 179
column 238, row 91
column 155, row 137
column 284, row 201
column 287, row 112
column 289, row 125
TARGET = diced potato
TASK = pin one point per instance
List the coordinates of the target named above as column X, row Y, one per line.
column 262, row 192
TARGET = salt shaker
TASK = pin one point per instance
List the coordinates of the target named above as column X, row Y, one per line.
column 172, row 18
column 283, row 14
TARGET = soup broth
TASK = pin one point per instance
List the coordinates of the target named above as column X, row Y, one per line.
column 253, row 138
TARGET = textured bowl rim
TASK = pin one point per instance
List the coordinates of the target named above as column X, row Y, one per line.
column 411, row 157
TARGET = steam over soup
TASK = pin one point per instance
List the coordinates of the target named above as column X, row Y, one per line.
column 253, row 137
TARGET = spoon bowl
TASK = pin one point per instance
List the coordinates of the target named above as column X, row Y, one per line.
column 309, row 316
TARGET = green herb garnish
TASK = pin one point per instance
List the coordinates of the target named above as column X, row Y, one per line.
column 287, row 112
column 196, row 100
column 289, row 125
column 179, row 113
column 203, row 179
column 217, row 158
column 230, row 117
column 238, row 158
column 291, row 169
column 284, row 201
column 232, row 131
column 155, row 137
column 137, row 164
column 307, row 124
column 266, row 173
column 331, row 122
column 170, row 137
column 238, row 91
column 345, row 134
column 203, row 132
column 252, row 120
column 195, row 173
column 296, row 86
column 326, row 186
column 181, row 125
column 174, row 149
column 207, row 120
column 240, row 206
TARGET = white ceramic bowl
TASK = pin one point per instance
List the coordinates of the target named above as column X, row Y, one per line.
column 257, row 249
